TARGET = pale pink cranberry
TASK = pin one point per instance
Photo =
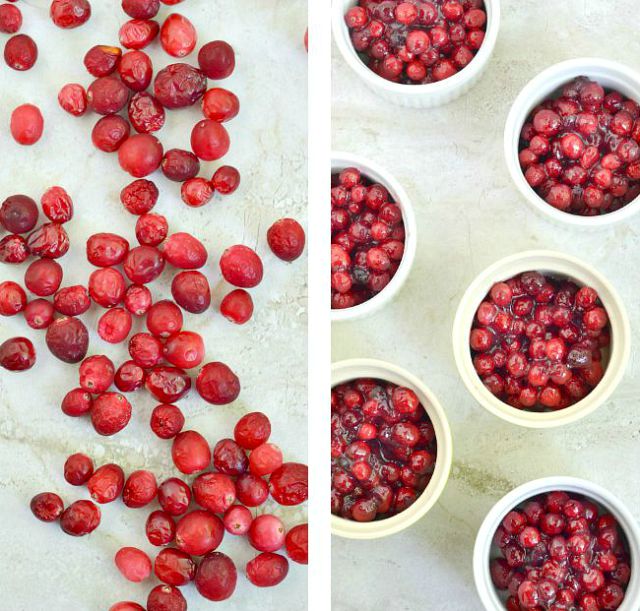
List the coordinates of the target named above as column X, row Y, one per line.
column 133, row 564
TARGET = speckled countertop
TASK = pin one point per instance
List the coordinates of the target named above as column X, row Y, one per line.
column 42, row 567
column 450, row 161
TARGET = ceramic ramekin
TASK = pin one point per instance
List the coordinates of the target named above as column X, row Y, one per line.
column 482, row 552
column 417, row 96
column 548, row 83
column 562, row 265
column 340, row 161
column 344, row 371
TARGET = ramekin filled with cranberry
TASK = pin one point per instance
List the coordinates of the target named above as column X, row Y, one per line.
column 541, row 339
column 557, row 544
column 417, row 53
column 373, row 237
column 572, row 142
column 391, row 449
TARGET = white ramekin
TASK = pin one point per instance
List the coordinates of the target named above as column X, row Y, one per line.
column 548, row 83
column 562, row 265
column 344, row 371
column 340, row 161
column 484, row 540
column 417, row 96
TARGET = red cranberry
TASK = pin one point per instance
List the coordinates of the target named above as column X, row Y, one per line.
column 252, row 430
column 13, row 249
column 68, row 339
column 184, row 251
column 230, row 458
column 190, row 452
column 174, row 496
column 126, row 606
column 289, row 484
column 133, row 563
column 180, row 165
column 267, row 569
column 220, row 105
column 196, row 192
column 114, row 325
column 49, row 240
column 27, row 124
column 166, row 598
column 106, row 249
column 141, row 9
column 297, row 544
column 138, row 33
column 209, row 140
column 265, row 459
column 199, row 532
column 164, row 318
column 191, row 291
column 72, row 300
column 73, row 99
column 109, row 133
column 241, row 266
column 174, row 567
column 217, row 384
column 179, row 85
column 140, row 196
column 43, row 277
column 143, row 264
column 110, row 413
column 167, row 384
column 286, row 239
column 151, row 229
column 96, row 374
column 68, row 14
column 102, row 60
column 107, row 287
column 135, row 70
column 140, row 489
column 146, row 114
column 214, row 491
column 237, row 306
column 20, row 52
column 78, row 468
column 57, row 205
column 107, row 95
column 145, row 350
column 251, row 490
column 106, row 483
column 226, row 179
column 267, row 533
column 18, row 214
column 140, row 155
column 216, row 577
column 237, row 520
column 10, row 19
column 178, row 36
column 39, row 313
column 217, row 59
column 17, row 354
column 47, row 506
column 137, row 299
column 166, row 421
column 80, row 518
column 13, row 299
column 160, row 528
column 77, row 402
column 184, row 349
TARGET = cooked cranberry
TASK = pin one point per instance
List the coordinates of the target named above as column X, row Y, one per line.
column 49, row 240
column 145, row 113
column 199, row 532
column 196, row 192
column 110, row 132
column 230, row 458
column 141, row 9
column 138, row 33
column 140, row 155
column 267, row 569
column 237, row 520
column 27, row 124
column 217, row 59
column 191, row 291
column 252, row 430
column 129, row 377
column 18, row 214
column 167, row 384
column 164, row 318
column 209, row 140
column 226, row 179
column 217, row 384
column 136, row 70
column 39, row 313
column 174, row 567
column 20, row 52
column 13, row 249
column 57, row 205
column 70, row 14
column 110, row 413
column 160, row 528
column 139, row 489
column 216, row 577
column 174, row 496
column 184, row 349
column 288, row 485
column 72, row 300
column 241, row 266
column 184, row 251
column 179, row 85
column 220, row 105
column 137, row 299
column 10, row 19
column 166, row 421
column 180, row 165
column 267, row 533
column 80, row 518
column 106, row 483
column 73, row 99
column 178, row 36
column 96, row 374
column 190, row 452
column 107, row 287
column 107, row 95
column 166, row 598
column 68, row 339
column 265, row 459
column 17, row 354
column 102, row 60
column 43, row 277
column 77, row 402
column 151, row 229
column 140, row 196
column 133, row 563
column 47, row 506
column 237, row 306
column 251, row 490
column 286, row 239
column 143, row 264
column 297, row 544
column 78, row 468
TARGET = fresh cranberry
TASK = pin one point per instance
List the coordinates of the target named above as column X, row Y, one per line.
column 241, row 266
column 13, row 299
column 145, row 350
column 141, row 9
column 297, row 544
column 27, row 124
column 110, row 413
column 136, row 70
column 49, row 240
column 129, row 377
column 72, row 300
column 18, row 214
column 146, row 114
column 110, row 132
column 166, row 421
column 252, row 430
column 13, row 249
column 166, row 598
column 39, row 313
column 216, row 577
column 190, row 452
column 199, row 532
column 196, row 192
column 179, row 85
column 178, row 36
column 140, row 155
column 229, row 458
column 286, row 239
column 217, row 384
column 164, row 319
column 167, row 384
column 237, row 306
column 180, row 165
column 184, row 251
column 78, row 468
column 251, row 490
column 267, row 569
column 47, row 506
column 126, row 606
column 138, row 33
column 57, row 205
column 107, row 287
column 174, row 567
column 102, row 60
column 217, row 59
column 160, row 528
column 106, row 249
column 174, row 496
column 10, row 19
column 114, row 325
column 267, row 533
column 106, row 483
column 209, row 140
column 107, row 95
column 184, row 349
column 151, row 229
column 288, row 485
column 265, row 459
column 20, row 52
column 139, row 489
column 143, row 264
column 96, row 374
column 77, row 402
column 80, row 518
column 220, row 105
column 237, row 520
column 191, row 291
column 214, row 491
column 68, row 14
column 73, row 99
column 137, row 299
column 68, row 339
column 226, row 179
column 140, row 196
column 43, row 277
column 133, row 563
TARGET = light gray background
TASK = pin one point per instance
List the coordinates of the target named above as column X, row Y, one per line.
column 43, row 567
column 450, row 161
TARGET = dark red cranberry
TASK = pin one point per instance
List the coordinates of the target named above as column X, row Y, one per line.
column 226, row 179
column 167, row 384
column 47, row 506
column 217, row 384
column 286, row 239
column 229, row 458
column 136, row 70
column 141, row 9
column 216, row 577
column 191, row 291
column 17, row 354
column 68, row 339
column 107, row 95
column 18, row 214
column 78, row 468
column 20, row 52
column 110, row 132
column 179, row 85
column 180, row 165
column 140, row 196
column 217, row 59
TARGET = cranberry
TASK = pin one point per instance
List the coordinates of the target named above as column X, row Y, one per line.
column 126, row 606
column 135, row 70
column 199, row 532
column 216, row 577
column 72, row 300
column 77, row 402
column 43, row 277
column 174, row 567
column 78, row 468
column 96, row 374
column 237, row 520
column 138, row 33
column 133, row 563
column 237, row 306
column 289, row 484
column 226, row 179
column 139, row 489
column 267, row 533
column 13, row 299
column 178, row 36
column 184, row 349
column 229, row 458
column 297, row 544
column 214, row 491
column 73, row 99
column 49, row 240
column 10, row 19
column 110, row 413
column 13, row 249
column 209, row 140
column 190, row 452
column 107, row 95
column 20, row 52
column 145, row 350
column 80, row 518
column 151, row 229
column 166, row 598
column 18, row 214
column 265, row 459
column 68, row 339
column 217, row 59
column 47, row 506
column 110, row 132
column 220, row 105
column 286, row 239
column 160, row 528
column 102, row 60
column 251, row 490
column 70, row 14
column 141, row 9
column 252, row 430
column 39, row 313
column 196, row 192
column 184, row 251
column 166, row 421
column 106, row 249
column 179, row 85
column 167, row 384
column 140, row 155
column 106, row 483
column 174, row 496
column 27, row 124
column 267, row 569
column 217, row 384
column 164, row 318
column 180, row 165
column 191, row 291
column 57, row 205
column 145, row 113
column 137, row 299
column 114, row 325
column 129, row 377
column 107, row 287
column 241, row 266
column 140, row 196
column 143, row 264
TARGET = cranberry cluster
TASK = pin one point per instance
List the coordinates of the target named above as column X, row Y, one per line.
column 537, row 341
column 581, row 151
column 416, row 42
column 367, row 238
column 383, row 449
column 558, row 551
column 224, row 498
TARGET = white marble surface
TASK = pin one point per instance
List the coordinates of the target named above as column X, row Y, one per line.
column 450, row 161
column 42, row 567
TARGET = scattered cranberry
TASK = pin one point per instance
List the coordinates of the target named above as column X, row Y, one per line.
column 114, row 325
column 196, row 192
column 216, row 577
column 78, row 468
column 126, row 606
column 77, row 402
column 145, row 350
column 191, row 291
column 166, row 421
column 129, row 377
column 160, row 528
column 20, row 52
column 179, row 85
column 136, row 70
column 138, row 33
column 267, row 569
column 137, row 299
column 151, row 229
column 180, row 165
column 251, row 490
column 13, row 249
column 110, row 132
column 297, row 544
column 43, row 277
column 141, row 9
column 49, row 240
column 18, row 214
column 73, row 99
column 27, row 124
column 184, row 350
column 241, row 266
column 199, row 532
column 184, row 251
column 217, row 384
column 146, row 114
column 229, row 458
column 96, row 374
column 107, row 95
column 72, row 300
column 286, row 239
column 164, row 318
column 237, row 520
column 174, row 496
column 252, row 430
column 106, row 249
column 106, row 483
column 17, row 354
column 267, row 533
column 80, row 518
column 140, row 489
column 107, row 287
column 215, row 492
column 220, row 105
column 13, row 299
column 110, row 413
column 265, row 459
column 174, row 567
column 167, row 384
column 209, row 140
column 289, row 485
column 140, row 155
column 133, row 563
column 140, row 196
column 190, row 452
column 226, row 179
column 57, row 205
column 69, row 14
column 68, row 339
column 178, row 36
column 143, row 264
column 217, row 59
column 39, row 313
column 102, row 60
column 166, row 598
column 10, row 18
column 237, row 306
